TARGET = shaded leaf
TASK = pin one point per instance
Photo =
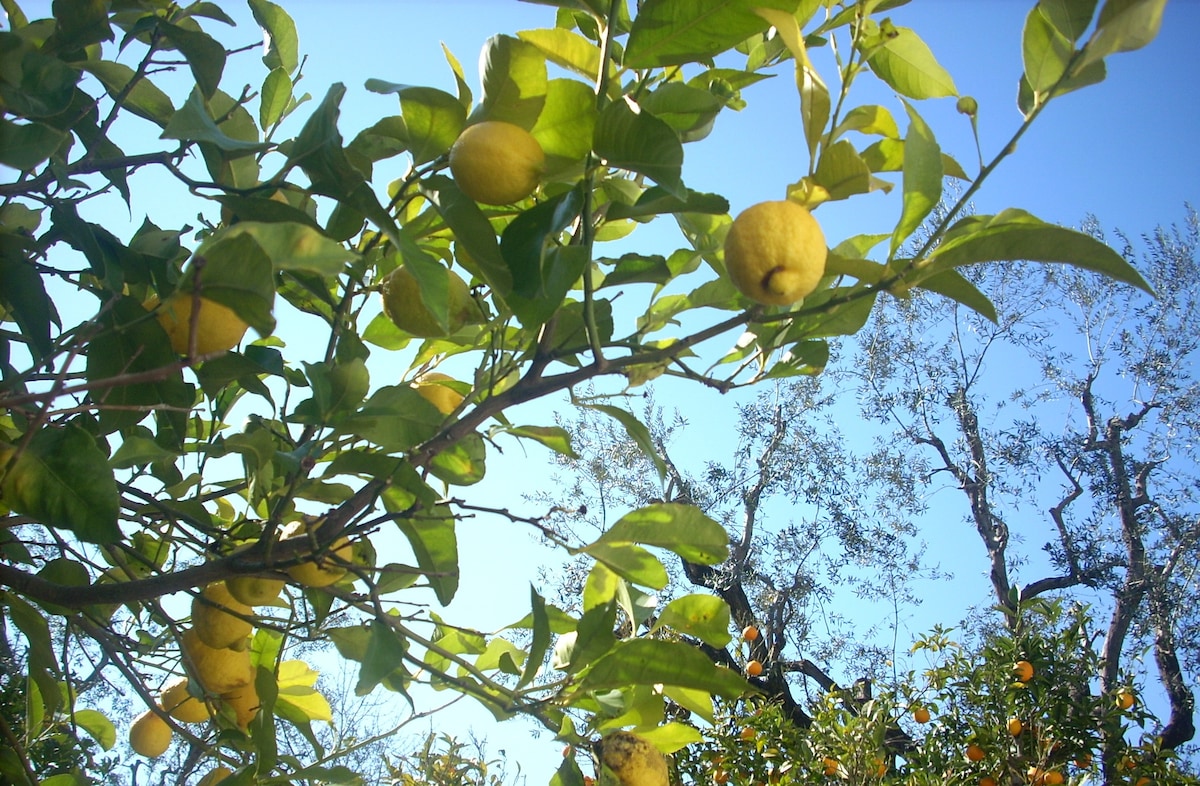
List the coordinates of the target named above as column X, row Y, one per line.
column 639, row 142
column 674, row 32
column 683, row 529
column 706, row 617
column 652, row 662
column 513, row 74
column 281, row 47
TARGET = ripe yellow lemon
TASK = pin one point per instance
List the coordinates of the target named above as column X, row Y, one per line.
column 496, row 163
column 216, row 621
column 215, row 776
column 444, row 397
column 1015, row 726
column 217, row 669
column 181, row 705
column 403, row 305
column 244, row 703
column 775, row 253
column 218, row 327
column 149, row 736
column 329, row 569
column 633, row 759
column 254, row 590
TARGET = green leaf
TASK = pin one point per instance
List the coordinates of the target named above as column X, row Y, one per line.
column 384, row 656
column 540, row 641
column 566, row 125
column 1016, row 235
column 955, row 286
column 630, row 562
column 689, row 110
column 514, row 82
column 542, row 271
column 868, row 119
column 815, row 104
column 430, row 119
column 640, row 142
column 1069, row 17
column 431, row 534
column 683, row 529
column 842, row 172
column 282, row 44
column 554, row 437
column 63, row 480
column 98, row 727
column 675, row 32
column 24, row 293
column 1123, row 26
column 593, row 637
column 137, row 451
column 1045, row 51
column 651, row 662
column 276, row 97
column 205, row 55
column 237, row 273
column 705, row 617
column 922, row 177
column 24, row 146
column 395, row 418
column 907, row 65
column 293, row 246
column 472, row 229
column 637, row 431
column 80, row 23
column 144, row 99
column 463, row 463
column 129, row 341
column 656, row 201
column 565, row 48
column 193, row 122
column 296, row 681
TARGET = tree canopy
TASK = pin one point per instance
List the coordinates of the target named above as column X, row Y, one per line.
column 206, row 429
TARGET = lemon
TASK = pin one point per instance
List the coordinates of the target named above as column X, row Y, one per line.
column 775, row 253
column 254, row 590
column 149, row 736
column 181, row 705
column 403, row 305
column 244, row 703
column 218, row 670
column 496, row 163
column 633, row 759
column 215, row 775
column 444, row 397
column 312, row 574
column 213, row 621
column 218, row 327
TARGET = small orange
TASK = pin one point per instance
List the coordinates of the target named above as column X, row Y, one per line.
column 720, row 777
column 750, row 633
column 1023, row 671
column 1015, row 726
column 975, row 753
column 1125, row 698
column 747, row 733
column 754, row 668
column 1144, row 781
column 987, row 780
column 880, row 768
column 921, row 715
column 1083, row 761
column 829, row 765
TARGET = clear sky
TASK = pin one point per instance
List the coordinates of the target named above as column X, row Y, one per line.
column 1122, row 150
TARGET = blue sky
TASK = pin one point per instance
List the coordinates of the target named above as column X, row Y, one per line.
column 1122, row 150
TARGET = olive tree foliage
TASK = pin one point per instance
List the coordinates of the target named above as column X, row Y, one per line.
column 135, row 473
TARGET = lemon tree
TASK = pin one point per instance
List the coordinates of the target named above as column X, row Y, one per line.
column 164, row 428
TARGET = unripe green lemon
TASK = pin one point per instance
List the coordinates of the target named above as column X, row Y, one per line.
column 775, row 253
column 496, row 163
column 403, row 305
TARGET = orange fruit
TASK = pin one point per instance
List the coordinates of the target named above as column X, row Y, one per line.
column 720, row 777
column 1125, row 699
column 747, row 733
column 1023, row 671
column 975, row 753
column 830, row 765
column 754, row 668
column 921, row 715
column 987, row 780
column 750, row 633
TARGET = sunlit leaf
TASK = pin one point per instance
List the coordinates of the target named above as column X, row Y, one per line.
column 1123, row 26
column 653, row 662
column 630, row 139
column 906, row 64
column 674, row 32
column 683, row 529
column 514, row 79
column 922, row 177
column 706, row 617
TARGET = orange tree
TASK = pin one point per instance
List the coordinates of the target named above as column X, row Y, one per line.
column 150, row 451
